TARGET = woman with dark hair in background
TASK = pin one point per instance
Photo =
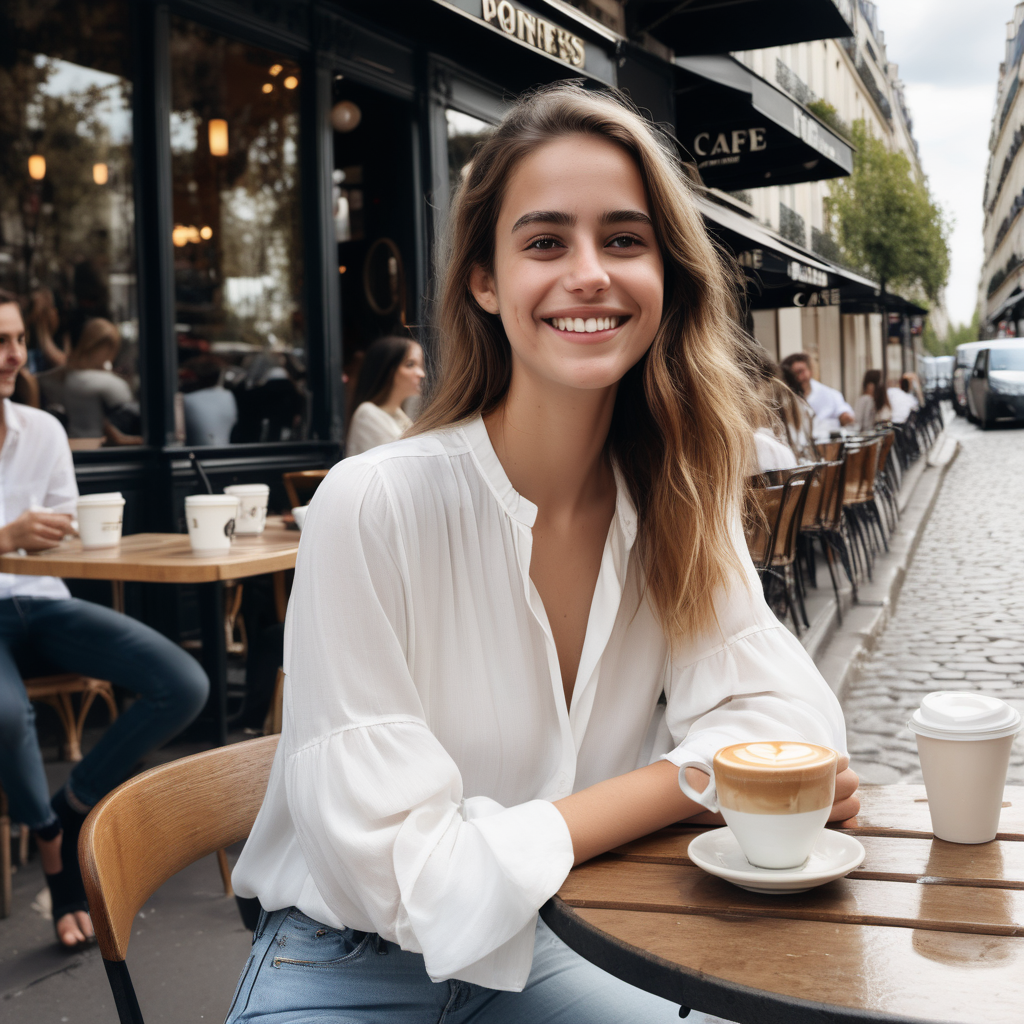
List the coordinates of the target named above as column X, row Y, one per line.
column 873, row 405
column 392, row 372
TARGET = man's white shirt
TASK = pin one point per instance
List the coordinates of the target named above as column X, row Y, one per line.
column 828, row 405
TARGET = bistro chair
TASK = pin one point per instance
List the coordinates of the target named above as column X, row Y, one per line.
column 57, row 691
column 301, row 485
column 829, row 451
column 818, row 519
column 151, row 827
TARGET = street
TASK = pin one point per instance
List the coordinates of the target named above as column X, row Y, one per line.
column 959, row 619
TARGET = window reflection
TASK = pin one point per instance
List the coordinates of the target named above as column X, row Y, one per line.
column 465, row 133
column 237, row 240
column 66, row 210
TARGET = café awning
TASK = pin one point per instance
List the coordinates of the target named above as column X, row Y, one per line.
column 742, row 132
column 1008, row 309
column 724, row 26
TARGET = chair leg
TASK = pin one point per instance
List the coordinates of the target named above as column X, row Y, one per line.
column 225, row 873
column 121, row 988
column 5, row 865
column 829, row 559
column 799, row 595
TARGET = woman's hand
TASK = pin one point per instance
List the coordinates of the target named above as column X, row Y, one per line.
column 35, row 531
column 846, row 803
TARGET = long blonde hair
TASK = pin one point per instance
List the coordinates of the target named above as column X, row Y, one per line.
column 680, row 430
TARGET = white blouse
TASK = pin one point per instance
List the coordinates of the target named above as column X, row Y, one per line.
column 425, row 727
column 372, row 426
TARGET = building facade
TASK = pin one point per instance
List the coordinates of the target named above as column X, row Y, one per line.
column 1001, row 287
column 854, row 76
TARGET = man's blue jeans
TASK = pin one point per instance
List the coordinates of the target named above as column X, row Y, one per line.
column 302, row 971
column 77, row 636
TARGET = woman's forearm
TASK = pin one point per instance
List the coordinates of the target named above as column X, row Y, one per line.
column 627, row 807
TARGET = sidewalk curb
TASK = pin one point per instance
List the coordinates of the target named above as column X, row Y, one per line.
column 841, row 649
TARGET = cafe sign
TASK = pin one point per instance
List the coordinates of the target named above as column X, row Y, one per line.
column 534, row 31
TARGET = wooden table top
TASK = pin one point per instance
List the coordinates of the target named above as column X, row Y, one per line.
column 162, row 558
column 924, row 930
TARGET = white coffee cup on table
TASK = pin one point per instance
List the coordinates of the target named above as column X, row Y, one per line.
column 775, row 797
column 100, row 518
column 964, row 742
column 211, row 522
column 252, row 507
column 299, row 515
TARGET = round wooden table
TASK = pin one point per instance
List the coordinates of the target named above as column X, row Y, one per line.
column 924, row 930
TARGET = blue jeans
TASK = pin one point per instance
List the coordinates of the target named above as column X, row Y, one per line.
column 302, row 972
column 77, row 636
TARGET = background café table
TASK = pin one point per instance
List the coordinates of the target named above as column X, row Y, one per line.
column 924, row 930
column 168, row 558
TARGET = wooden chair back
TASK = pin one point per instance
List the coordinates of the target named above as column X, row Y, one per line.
column 856, row 460
column 761, row 521
column 829, row 451
column 886, row 447
column 301, row 485
column 784, row 546
column 157, row 823
column 818, row 508
column 832, row 505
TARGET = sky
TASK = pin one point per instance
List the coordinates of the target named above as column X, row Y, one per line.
column 948, row 52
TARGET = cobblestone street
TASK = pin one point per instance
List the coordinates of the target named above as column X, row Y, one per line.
column 959, row 620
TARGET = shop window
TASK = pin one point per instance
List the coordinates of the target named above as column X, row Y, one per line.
column 237, row 241
column 67, row 241
column 465, row 133
column 374, row 212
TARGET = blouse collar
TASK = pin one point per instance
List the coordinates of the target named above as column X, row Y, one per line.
column 521, row 509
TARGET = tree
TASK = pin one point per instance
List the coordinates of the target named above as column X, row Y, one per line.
column 887, row 222
column 957, row 336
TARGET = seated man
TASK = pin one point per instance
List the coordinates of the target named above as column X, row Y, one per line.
column 40, row 621
column 831, row 410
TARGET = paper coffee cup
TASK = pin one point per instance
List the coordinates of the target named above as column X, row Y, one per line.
column 252, row 507
column 964, row 742
column 299, row 515
column 211, row 522
column 99, row 519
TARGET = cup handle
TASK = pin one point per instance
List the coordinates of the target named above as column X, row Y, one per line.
column 706, row 799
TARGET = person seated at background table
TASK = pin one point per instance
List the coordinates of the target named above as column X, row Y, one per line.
column 94, row 400
column 210, row 408
column 43, row 630
column 772, row 441
column 509, row 630
column 901, row 400
column 873, row 405
column 831, row 410
column 392, row 372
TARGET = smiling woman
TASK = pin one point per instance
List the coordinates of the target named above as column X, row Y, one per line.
column 508, row 631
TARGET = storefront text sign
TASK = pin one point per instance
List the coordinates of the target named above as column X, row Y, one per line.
column 534, row 31
column 825, row 297
column 807, row 275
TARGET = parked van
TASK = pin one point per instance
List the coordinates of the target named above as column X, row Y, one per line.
column 995, row 389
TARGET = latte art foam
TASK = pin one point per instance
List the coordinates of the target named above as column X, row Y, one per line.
column 775, row 777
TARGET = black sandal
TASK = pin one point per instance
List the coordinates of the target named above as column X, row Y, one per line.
column 67, row 891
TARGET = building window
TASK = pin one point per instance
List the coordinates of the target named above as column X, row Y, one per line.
column 67, row 233
column 791, row 225
column 237, row 241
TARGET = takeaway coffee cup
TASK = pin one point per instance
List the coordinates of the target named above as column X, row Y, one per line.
column 299, row 515
column 964, row 742
column 211, row 522
column 99, row 519
column 252, row 507
column 775, row 797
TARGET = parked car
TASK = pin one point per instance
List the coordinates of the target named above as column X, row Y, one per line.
column 995, row 390
column 965, row 357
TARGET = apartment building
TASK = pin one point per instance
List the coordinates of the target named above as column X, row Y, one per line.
column 1002, row 276
column 854, row 76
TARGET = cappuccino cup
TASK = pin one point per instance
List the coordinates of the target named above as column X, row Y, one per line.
column 252, row 507
column 775, row 797
column 99, row 519
column 211, row 522
column 964, row 742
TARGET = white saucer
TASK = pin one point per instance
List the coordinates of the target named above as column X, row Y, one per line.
column 835, row 854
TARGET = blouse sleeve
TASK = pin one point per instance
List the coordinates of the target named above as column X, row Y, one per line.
column 750, row 680
column 376, row 800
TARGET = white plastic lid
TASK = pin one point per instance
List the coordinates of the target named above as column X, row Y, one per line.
column 948, row 715
column 248, row 490
column 216, row 500
column 108, row 498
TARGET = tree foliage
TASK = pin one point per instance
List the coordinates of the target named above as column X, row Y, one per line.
column 887, row 222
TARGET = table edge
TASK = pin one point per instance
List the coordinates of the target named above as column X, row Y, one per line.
column 681, row 984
